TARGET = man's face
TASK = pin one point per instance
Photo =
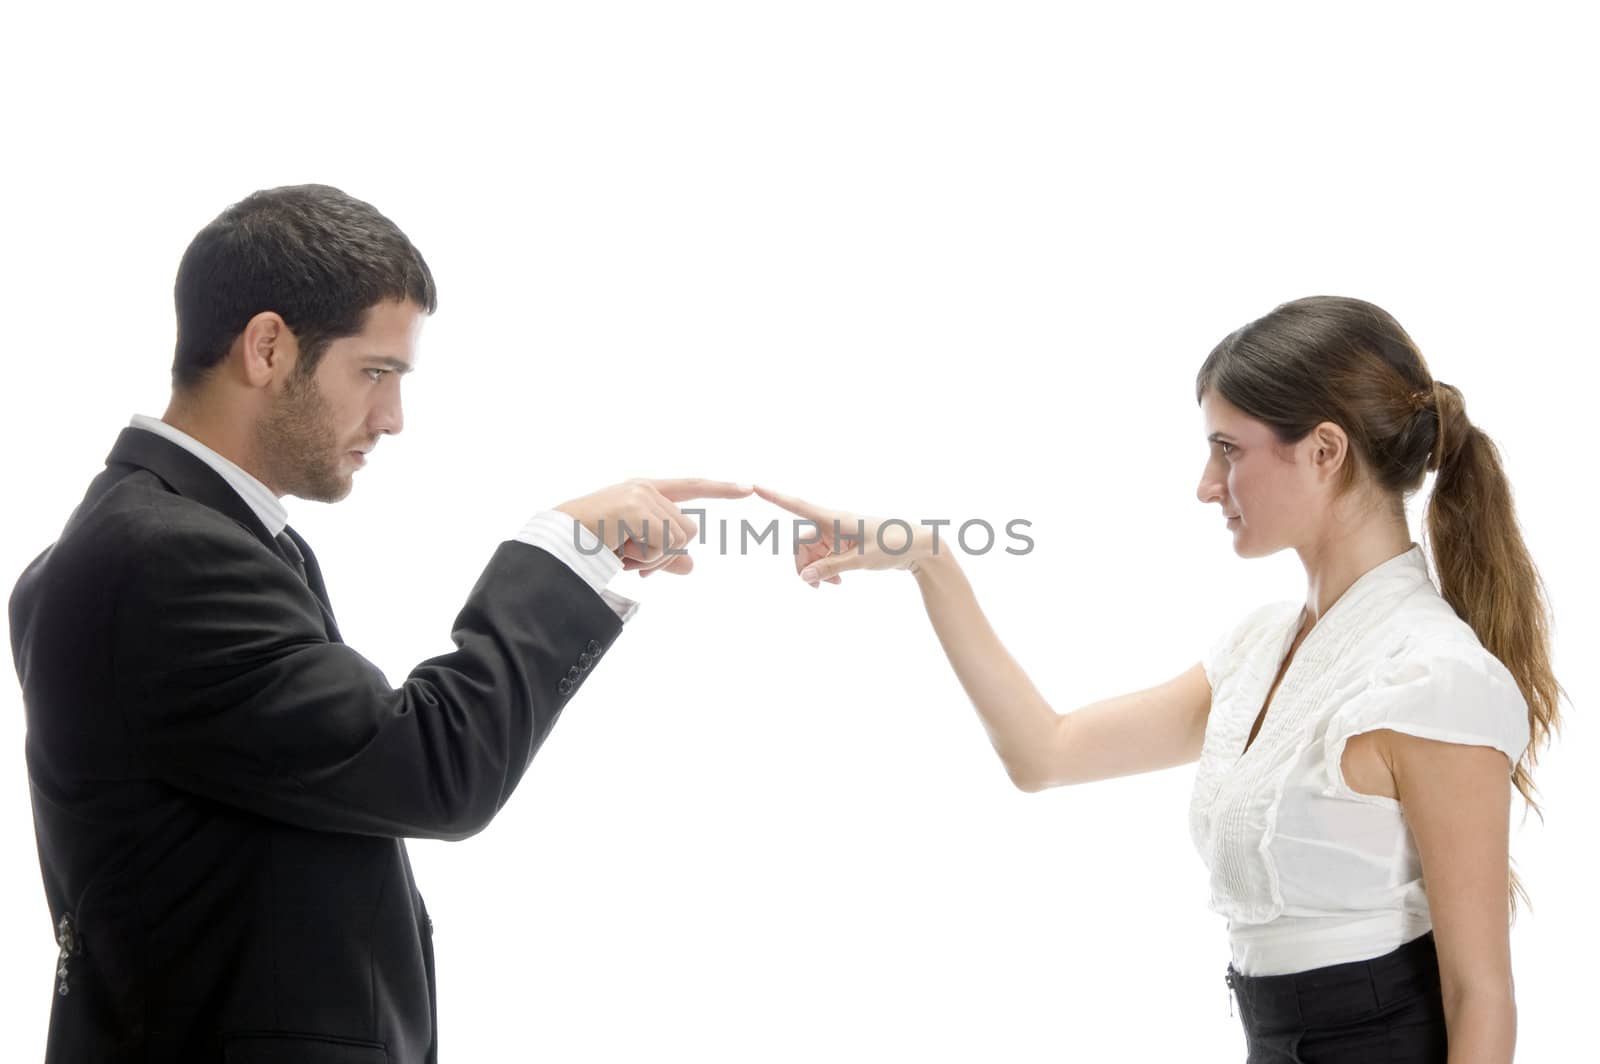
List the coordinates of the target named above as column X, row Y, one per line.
column 320, row 427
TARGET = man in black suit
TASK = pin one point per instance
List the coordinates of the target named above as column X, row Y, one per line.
column 220, row 785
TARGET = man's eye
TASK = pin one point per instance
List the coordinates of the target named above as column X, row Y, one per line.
column 376, row 374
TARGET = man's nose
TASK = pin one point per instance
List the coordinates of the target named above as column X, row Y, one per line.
column 389, row 417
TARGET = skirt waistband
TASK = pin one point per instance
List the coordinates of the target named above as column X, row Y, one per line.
column 1330, row 994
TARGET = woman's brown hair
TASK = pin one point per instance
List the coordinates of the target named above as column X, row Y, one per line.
column 1327, row 358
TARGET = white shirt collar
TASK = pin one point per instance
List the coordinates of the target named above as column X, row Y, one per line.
column 256, row 495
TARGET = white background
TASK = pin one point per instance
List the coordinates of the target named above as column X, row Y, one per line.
column 942, row 260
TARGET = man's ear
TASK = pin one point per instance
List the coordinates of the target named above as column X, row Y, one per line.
column 267, row 349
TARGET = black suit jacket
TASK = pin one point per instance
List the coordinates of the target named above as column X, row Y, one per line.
column 220, row 785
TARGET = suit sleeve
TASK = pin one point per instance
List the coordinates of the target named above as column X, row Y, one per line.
column 236, row 693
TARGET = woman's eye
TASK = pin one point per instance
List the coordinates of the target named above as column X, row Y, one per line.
column 1227, row 448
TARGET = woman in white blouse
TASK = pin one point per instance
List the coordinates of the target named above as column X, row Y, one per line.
column 1356, row 750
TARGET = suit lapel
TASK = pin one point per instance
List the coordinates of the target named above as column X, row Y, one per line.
column 193, row 479
column 314, row 579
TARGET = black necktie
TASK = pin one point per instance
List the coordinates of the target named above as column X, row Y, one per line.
column 292, row 552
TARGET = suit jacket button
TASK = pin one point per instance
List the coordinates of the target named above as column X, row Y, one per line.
column 593, row 648
column 585, row 660
column 573, row 673
column 564, row 686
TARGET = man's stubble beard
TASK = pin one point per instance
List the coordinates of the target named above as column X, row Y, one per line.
column 297, row 440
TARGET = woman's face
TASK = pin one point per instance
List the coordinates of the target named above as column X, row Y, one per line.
column 1268, row 492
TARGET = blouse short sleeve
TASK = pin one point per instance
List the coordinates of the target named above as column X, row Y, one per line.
column 1456, row 695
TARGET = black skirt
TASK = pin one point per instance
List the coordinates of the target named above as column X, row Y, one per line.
column 1385, row 1009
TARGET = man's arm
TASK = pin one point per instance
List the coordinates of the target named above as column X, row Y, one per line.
column 234, row 692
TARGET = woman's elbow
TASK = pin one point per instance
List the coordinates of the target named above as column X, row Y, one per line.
column 1027, row 778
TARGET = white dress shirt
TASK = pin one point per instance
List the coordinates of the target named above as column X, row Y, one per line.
column 552, row 530
column 1308, row 871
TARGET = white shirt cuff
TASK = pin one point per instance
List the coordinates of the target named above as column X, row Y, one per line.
column 621, row 605
column 582, row 551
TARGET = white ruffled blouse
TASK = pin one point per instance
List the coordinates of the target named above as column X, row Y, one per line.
column 1307, row 871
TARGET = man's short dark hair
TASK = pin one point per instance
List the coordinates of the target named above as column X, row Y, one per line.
column 318, row 257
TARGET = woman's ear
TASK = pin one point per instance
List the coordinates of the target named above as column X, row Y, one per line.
column 1330, row 449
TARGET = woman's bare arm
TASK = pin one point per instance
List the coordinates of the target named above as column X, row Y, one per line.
column 1155, row 728
column 1457, row 801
